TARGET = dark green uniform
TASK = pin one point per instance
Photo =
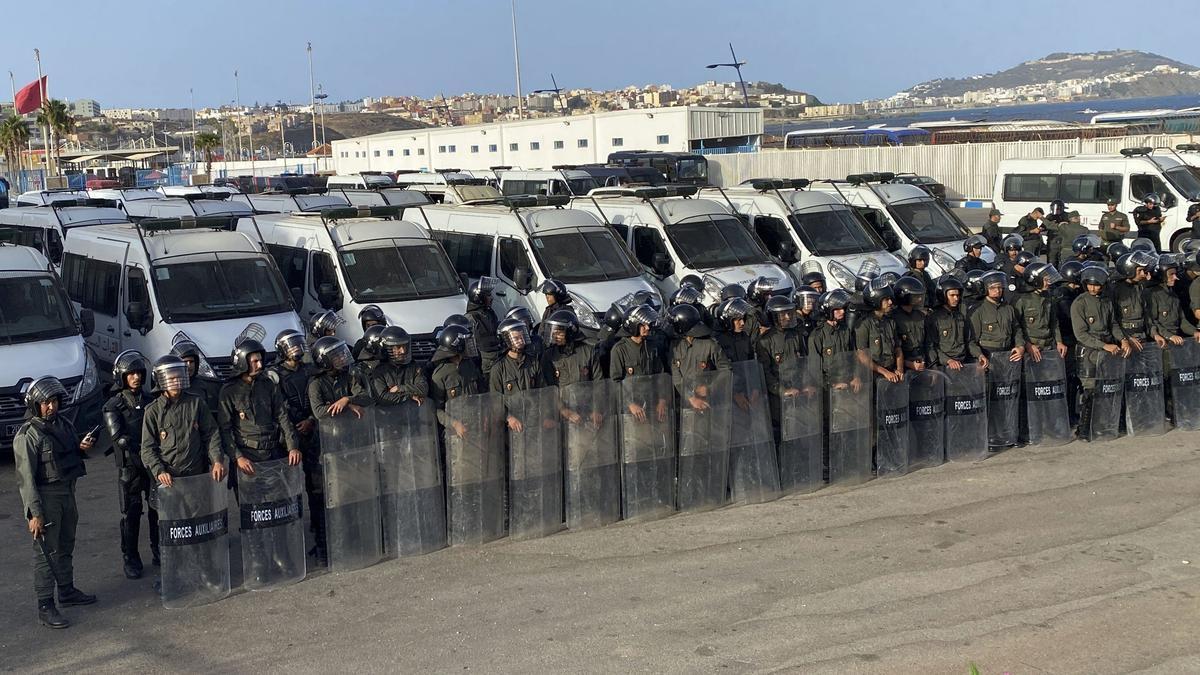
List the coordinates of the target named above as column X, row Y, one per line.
column 180, row 437
column 827, row 343
column 997, row 326
column 328, row 387
column 910, row 328
column 1039, row 317
column 510, row 375
column 253, row 417
column 569, row 364
column 450, row 379
column 1130, row 303
column 737, row 346
column 951, row 337
column 292, row 380
column 1114, row 225
column 1067, row 232
column 877, row 336
column 991, row 232
column 1094, row 323
column 408, row 379
column 691, row 358
column 1165, row 315
column 780, row 352
column 1030, row 229
column 48, row 461
column 633, row 359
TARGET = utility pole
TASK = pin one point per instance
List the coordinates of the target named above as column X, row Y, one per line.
column 192, row 99
column 312, row 96
column 517, row 60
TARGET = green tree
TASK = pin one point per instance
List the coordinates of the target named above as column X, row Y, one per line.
column 14, row 135
column 207, row 141
column 56, row 118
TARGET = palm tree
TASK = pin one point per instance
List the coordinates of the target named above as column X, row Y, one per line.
column 207, row 141
column 13, row 137
column 56, row 118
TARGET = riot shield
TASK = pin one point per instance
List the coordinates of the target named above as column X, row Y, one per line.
column 753, row 467
column 193, row 531
column 891, row 427
column 704, row 427
column 353, row 529
column 1107, row 397
column 1145, row 410
column 647, row 419
column 799, row 410
column 592, row 451
column 413, row 500
column 1185, row 384
column 966, row 413
column 272, row 524
column 926, row 418
column 848, row 385
column 473, row 429
column 535, row 482
column 1046, row 400
column 1004, row 401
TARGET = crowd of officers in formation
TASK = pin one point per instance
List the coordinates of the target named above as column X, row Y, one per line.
column 1089, row 298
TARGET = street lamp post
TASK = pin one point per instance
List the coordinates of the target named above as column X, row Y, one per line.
column 321, row 96
column 312, row 96
column 736, row 65
column 557, row 93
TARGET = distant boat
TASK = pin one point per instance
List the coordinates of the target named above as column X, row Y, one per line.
column 1087, row 111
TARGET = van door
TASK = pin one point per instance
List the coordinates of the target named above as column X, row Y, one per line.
column 95, row 284
column 517, row 276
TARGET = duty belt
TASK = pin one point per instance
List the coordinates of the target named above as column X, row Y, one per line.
column 1132, row 325
column 993, row 346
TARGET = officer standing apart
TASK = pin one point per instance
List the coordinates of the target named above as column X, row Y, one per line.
column 48, row 455
column 1114, row 225
column 253, row 414
column 991, row 229
column 1068, row 232
column 1031, row 228
column 1148, row 218
column 123, row 415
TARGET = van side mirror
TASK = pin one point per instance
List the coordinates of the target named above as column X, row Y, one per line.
column 138, row 316
column 329, row 297
column 54, row 250
column 523, row 279
column 788, row 253
column 662, row 264
column 464, row 280
column 297, row 297
column 87, row 323
column 1169, row 201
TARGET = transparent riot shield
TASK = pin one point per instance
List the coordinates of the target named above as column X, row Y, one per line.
column 193, row 531
column 1145, row 409
column 926, row 418
column 753, row 466
column 798, row 407
column 647, row 419
column 1046, row 400
column 1184, row 382
column 535, row 481
column 1004, row 401
column 272, row 524
column 966, row 413
column 1107, row 397
column 353, row 530
column 413, row 502
column 592, row 452
column 473, row 429
column 891, row 427
column 704, row 427
column 848, row 386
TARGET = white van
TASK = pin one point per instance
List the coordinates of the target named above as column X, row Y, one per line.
column 438, row 177
column 290, row 201
column 154, row 283
column 403, row 197
column 41, row 334
column 799, row 226
column 557, row 181
column 202, row 189
column 345, row 259
column 44, row 227
column 123, row 197
column 360, row 181
column 1085, row 183
column 191, row 206
column 458, row 191
column 905, row 216
column 45, row 197
column 522, row 241
column 673, row 235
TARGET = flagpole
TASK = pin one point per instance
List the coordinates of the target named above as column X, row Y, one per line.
column 37, row 55
column 13, row 84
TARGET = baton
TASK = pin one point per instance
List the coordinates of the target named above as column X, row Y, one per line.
column 46, row 555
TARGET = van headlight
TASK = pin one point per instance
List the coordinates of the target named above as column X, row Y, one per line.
column 585, row 313
column 91, row 377
column 842, row 275
column 712, row 287
column 943, row 259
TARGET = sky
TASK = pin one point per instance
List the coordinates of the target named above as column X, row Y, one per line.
column 141, row 54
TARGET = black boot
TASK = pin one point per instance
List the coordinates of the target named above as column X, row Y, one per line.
column 133, row 567
column 1084, row 430
column 48, row 615
column 152, row 516
column 69, row 595
column 129, row 543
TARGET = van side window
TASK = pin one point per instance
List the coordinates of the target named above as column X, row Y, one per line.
column 1090, row 189
column 323, row 272
column 136, row 290
column 470, row 254
column 94, row 284
column 557, row 187
column 622, row 232
column 1031, row 187
column 33, row 237
column 72, row 275
column 292, row 263
column 512, row 258
column 647, row 242
column 772, row 232
column 523, row 187
column 1143, row 184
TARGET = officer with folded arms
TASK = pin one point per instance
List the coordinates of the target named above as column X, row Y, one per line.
column 48, row 455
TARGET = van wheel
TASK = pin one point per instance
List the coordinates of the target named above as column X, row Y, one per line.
column 1178, row 239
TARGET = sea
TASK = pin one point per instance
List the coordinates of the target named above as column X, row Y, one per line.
column 1062, row 112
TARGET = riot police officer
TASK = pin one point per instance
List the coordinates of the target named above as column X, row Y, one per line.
column 1148, row 219
column 568, row 359
column 48, row 456
column 516, row 370
column 952, row 341
column 833, row 337
column 483, row 321
column 1068, row 236
column 780, row 348
column 557, row 298
column 1128, row 296
column 334, row 390
column 1037, row 312
column 179, row 433
column 996, row 323
column 876, row 335
column 536, row 344
column 1097, row 330
column 973, row 260
column 632, row 356
column 371, row 315
column 204, row 387
column 253, row 415
column 733, row 335
column 807, row 316
column 694, row 353
column 325, row 324
column 453, row 374
column 397, row 379
column 123, row 415
column 1031, row 229
column 918, row 267
column 910, row 317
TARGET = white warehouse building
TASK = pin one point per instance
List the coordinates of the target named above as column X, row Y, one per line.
column 546, row 142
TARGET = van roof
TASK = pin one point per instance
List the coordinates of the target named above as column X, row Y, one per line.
column 795, row 200
column 43, row 197
column 166, row 244
column 1166, row 161
column 527, row 174
column 532, row 220
column 344, row 232
column 21, row 259
column 65, row 215
column 125, row 194
column 673, row 209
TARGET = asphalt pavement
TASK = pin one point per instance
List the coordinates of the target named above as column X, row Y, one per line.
column 1081, row 558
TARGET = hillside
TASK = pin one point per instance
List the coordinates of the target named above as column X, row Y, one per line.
column 1113, row 73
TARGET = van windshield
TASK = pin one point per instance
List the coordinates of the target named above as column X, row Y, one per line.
column 706, row 242
column 222, row 286
column 399, row 271
column 1185, row 181
column 582, row 186
column 35, row 308
column 927, row 221
column 833, row 231
column 582, row 257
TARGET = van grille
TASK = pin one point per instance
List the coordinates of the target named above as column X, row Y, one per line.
column 423, row 347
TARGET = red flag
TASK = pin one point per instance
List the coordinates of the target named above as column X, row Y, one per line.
column 29, row 98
